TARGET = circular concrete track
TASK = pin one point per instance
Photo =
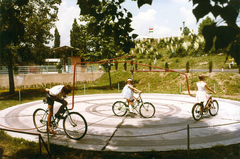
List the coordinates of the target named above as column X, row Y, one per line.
column 167, row 130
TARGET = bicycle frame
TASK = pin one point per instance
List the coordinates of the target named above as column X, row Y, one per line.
column 56, row 120
column 207, row 103
column 199, row 109
column 136, row 101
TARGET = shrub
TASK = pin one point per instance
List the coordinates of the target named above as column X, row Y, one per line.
column 125, row 66
column 116, row 66
column 150, row 63
column 166, row 66
column 187, row 67
column 210, row 66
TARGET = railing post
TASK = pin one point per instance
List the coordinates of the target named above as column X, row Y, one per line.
column 188, row 141
column 118, row 87
column 180, row 88
column 20, row 98
column 40, row 145
column 84, row 88
column 1, row 153
column 149, row 87
column 48, row 138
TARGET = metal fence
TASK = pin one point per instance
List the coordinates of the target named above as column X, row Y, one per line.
column 40, row 142
column 49, row 69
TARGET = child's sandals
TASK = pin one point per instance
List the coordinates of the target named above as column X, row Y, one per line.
column 51, row 130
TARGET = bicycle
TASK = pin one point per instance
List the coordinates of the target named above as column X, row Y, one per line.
column 146, row 109
column 198, row 109
column 74, row 124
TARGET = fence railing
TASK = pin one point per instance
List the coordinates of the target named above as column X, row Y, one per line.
column 49, row 69
column 40, row 141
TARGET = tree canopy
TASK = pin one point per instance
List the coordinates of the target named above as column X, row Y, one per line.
column 227, row 36
column 111, row 17
column 25, row 29
column 56, row 38
column 206, row 21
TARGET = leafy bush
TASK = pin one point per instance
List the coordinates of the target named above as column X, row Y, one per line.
column 187, row 67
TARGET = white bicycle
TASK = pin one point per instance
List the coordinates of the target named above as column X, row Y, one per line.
column 146, row 109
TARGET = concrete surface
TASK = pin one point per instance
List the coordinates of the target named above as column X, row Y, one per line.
column 167, row 130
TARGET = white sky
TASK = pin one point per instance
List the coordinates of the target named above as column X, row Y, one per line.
column 164, row 16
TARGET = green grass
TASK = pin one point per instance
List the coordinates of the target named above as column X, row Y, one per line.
column 180, row 63
column 21, row 148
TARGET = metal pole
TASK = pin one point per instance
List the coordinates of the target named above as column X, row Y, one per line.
column 118, row 87
column 48, row 138
column 149, row 87
column 40, row 146
column 188, row 141
column 214, row 87
column 92, row 73
column 84, row 88
column 180, row 88
column 1, row 153
column 20, row 96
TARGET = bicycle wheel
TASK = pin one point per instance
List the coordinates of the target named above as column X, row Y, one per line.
column 40, row 120
column 147, row 110
column 75, row 125
column 119, row 108
column 196, row 111
column 214, row 108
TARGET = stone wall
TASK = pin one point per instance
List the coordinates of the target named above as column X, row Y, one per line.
column 31, row 79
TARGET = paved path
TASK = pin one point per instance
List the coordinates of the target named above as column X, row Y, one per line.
column 165, row 131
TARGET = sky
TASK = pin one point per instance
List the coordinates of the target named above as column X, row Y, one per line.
column 164, row 16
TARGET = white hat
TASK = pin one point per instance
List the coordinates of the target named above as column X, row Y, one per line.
column 129, row 79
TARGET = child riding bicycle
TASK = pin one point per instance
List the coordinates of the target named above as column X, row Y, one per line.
column 127, row 93
column 201, row 95
column 56, row 93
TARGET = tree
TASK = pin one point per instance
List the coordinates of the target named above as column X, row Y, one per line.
column 210, row 66
column 56, row 38
column 111, row 18
column 94, row 48
column 74, row 34
column 227, row 36
column 25, row 28
column 120, row 31
column 85, row 41
column 187, row 67
column 206, row 21
column 186, row 31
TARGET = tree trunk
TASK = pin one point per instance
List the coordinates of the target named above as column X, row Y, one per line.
column 10, row 75
column 109, row 75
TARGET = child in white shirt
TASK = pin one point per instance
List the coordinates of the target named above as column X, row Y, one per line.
column 127, row 93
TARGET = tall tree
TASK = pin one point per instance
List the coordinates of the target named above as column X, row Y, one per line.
column 186, row 31
column 94, row 48
column 227, row 36
column 74, row 34
column 112, row 18
column 56, row 38
column 80, row 38
column 25, row 29
column 206, row 21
